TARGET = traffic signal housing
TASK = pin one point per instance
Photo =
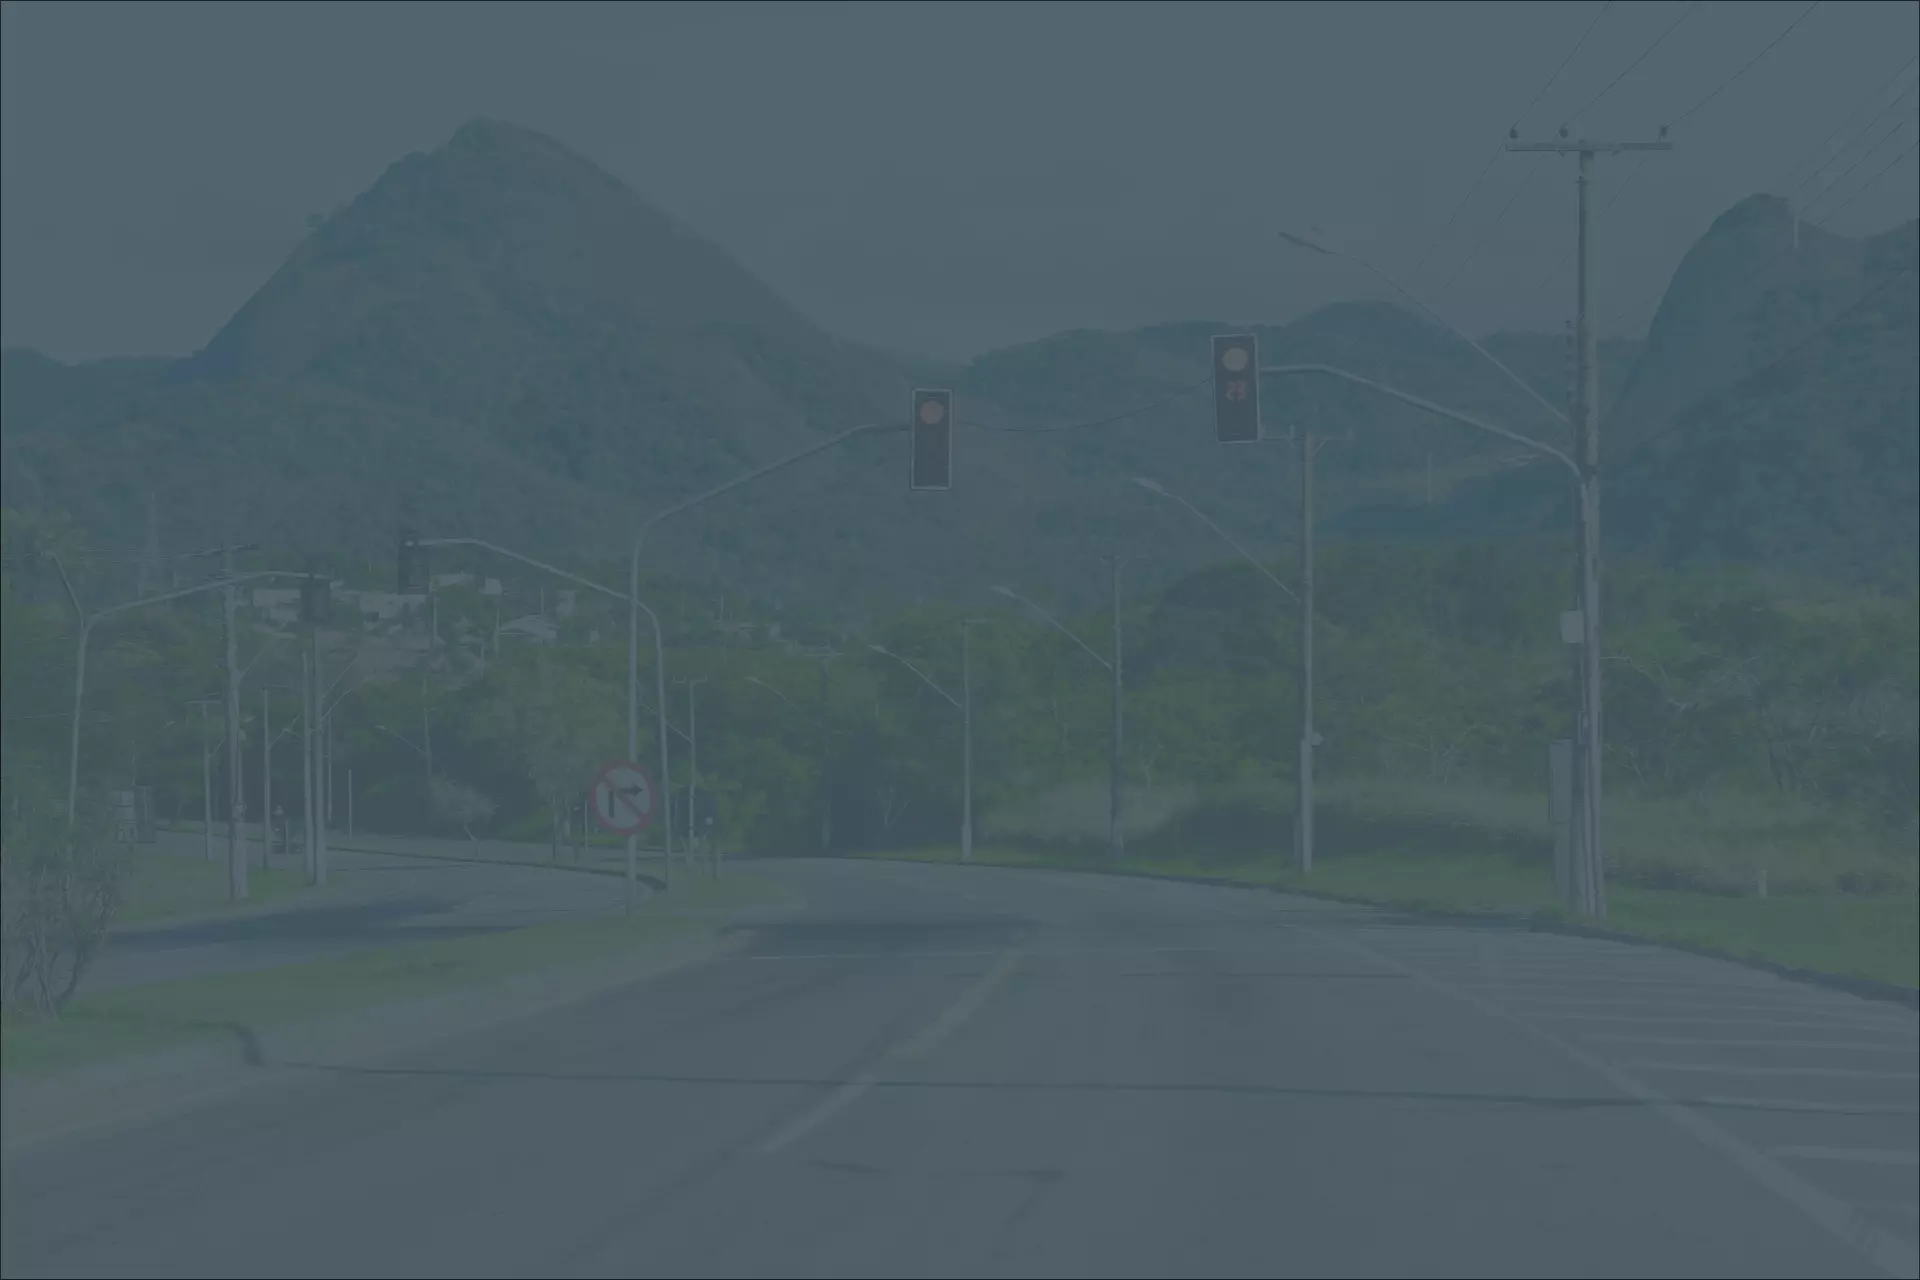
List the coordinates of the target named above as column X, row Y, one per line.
column 316, row 595
column 411, row 580
column 1236, row 389
column 932, row 440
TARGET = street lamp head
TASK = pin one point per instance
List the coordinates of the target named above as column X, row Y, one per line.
column 1151, row 486
column 1004, row 591
column 879, row 649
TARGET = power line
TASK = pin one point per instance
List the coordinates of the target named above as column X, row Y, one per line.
column 1825, row 218
column 1564, row 61
column 1660, row 40
column 1748, row 67
column 1864, row 157
column 1494, row 226
column 1820, row 149
column 1488, row 166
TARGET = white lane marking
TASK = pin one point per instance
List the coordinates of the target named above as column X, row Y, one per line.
column 807, row 1121
column 1887, row 1251
column 1825, row 1073
column 1711, row 1042
column 1851, row 1155
column 956, row 1013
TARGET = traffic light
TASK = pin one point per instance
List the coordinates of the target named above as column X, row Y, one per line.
column 1236, row 389
column 316, row 594
column 932, row 440
column 413, row 574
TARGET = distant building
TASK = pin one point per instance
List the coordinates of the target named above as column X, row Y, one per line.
column 567, row 600
column 381, row 606
column 279, row 605
column 532, row 627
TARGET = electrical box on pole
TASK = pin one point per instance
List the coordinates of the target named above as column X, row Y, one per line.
column 412, row 577
column 932, row 440
column 1236, row 389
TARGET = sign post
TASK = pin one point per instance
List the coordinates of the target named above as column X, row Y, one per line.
column 623, row 801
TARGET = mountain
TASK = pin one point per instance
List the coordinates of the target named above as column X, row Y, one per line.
column 500, row 340
column 1770, row 418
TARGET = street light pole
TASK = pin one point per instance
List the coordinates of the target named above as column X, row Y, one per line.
column 307, row 681
column 1115, row 839
column 964, row 705
column 693, row 781
column 87, row 622
column 206, row 780
column 1306, row 653
column 236, row 796
column 635, row 607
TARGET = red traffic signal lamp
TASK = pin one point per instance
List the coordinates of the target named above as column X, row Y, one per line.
column 1236, row 389
column 932, row 440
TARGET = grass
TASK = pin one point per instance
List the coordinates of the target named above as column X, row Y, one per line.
column 1875, row 938
column 162, row 1015
column 160, row 886
column 1841, row 898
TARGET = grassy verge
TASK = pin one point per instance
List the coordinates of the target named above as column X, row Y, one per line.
column 1871, row 937
column 163, row 886
column 166, row 1014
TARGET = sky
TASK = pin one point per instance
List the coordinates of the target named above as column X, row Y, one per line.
column 951, row 178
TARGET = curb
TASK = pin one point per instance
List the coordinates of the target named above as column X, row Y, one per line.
column 1519, row 920
column 653, row 883
column 42, row 1110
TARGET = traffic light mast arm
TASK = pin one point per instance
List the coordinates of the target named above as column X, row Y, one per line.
column 526, row 560
column 215, row 584
column 819, row 446
column 1438, row 410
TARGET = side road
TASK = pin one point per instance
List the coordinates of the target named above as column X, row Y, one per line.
column 383, row 899
column 227, row 1031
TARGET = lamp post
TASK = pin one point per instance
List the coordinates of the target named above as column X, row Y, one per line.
column 826, row 801
column 1116, row 840
column 963, row 704
column 227, row 583
column 635, row 607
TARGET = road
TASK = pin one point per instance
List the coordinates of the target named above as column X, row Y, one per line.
column 940, row 1070
column 383, row 900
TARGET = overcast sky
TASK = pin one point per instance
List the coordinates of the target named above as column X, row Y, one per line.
column 947, row 177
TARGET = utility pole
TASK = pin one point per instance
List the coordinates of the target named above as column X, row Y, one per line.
column 966, row 739
column 266, row 776
column 308, row 679
column 206, row 779
column 693, row 778
column 1116, row 833
column 1591, row 881
column 1305, row 798
column 236, row 800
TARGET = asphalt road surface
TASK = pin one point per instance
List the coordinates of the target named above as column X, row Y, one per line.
column 978, row 1072
column 384, row 900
